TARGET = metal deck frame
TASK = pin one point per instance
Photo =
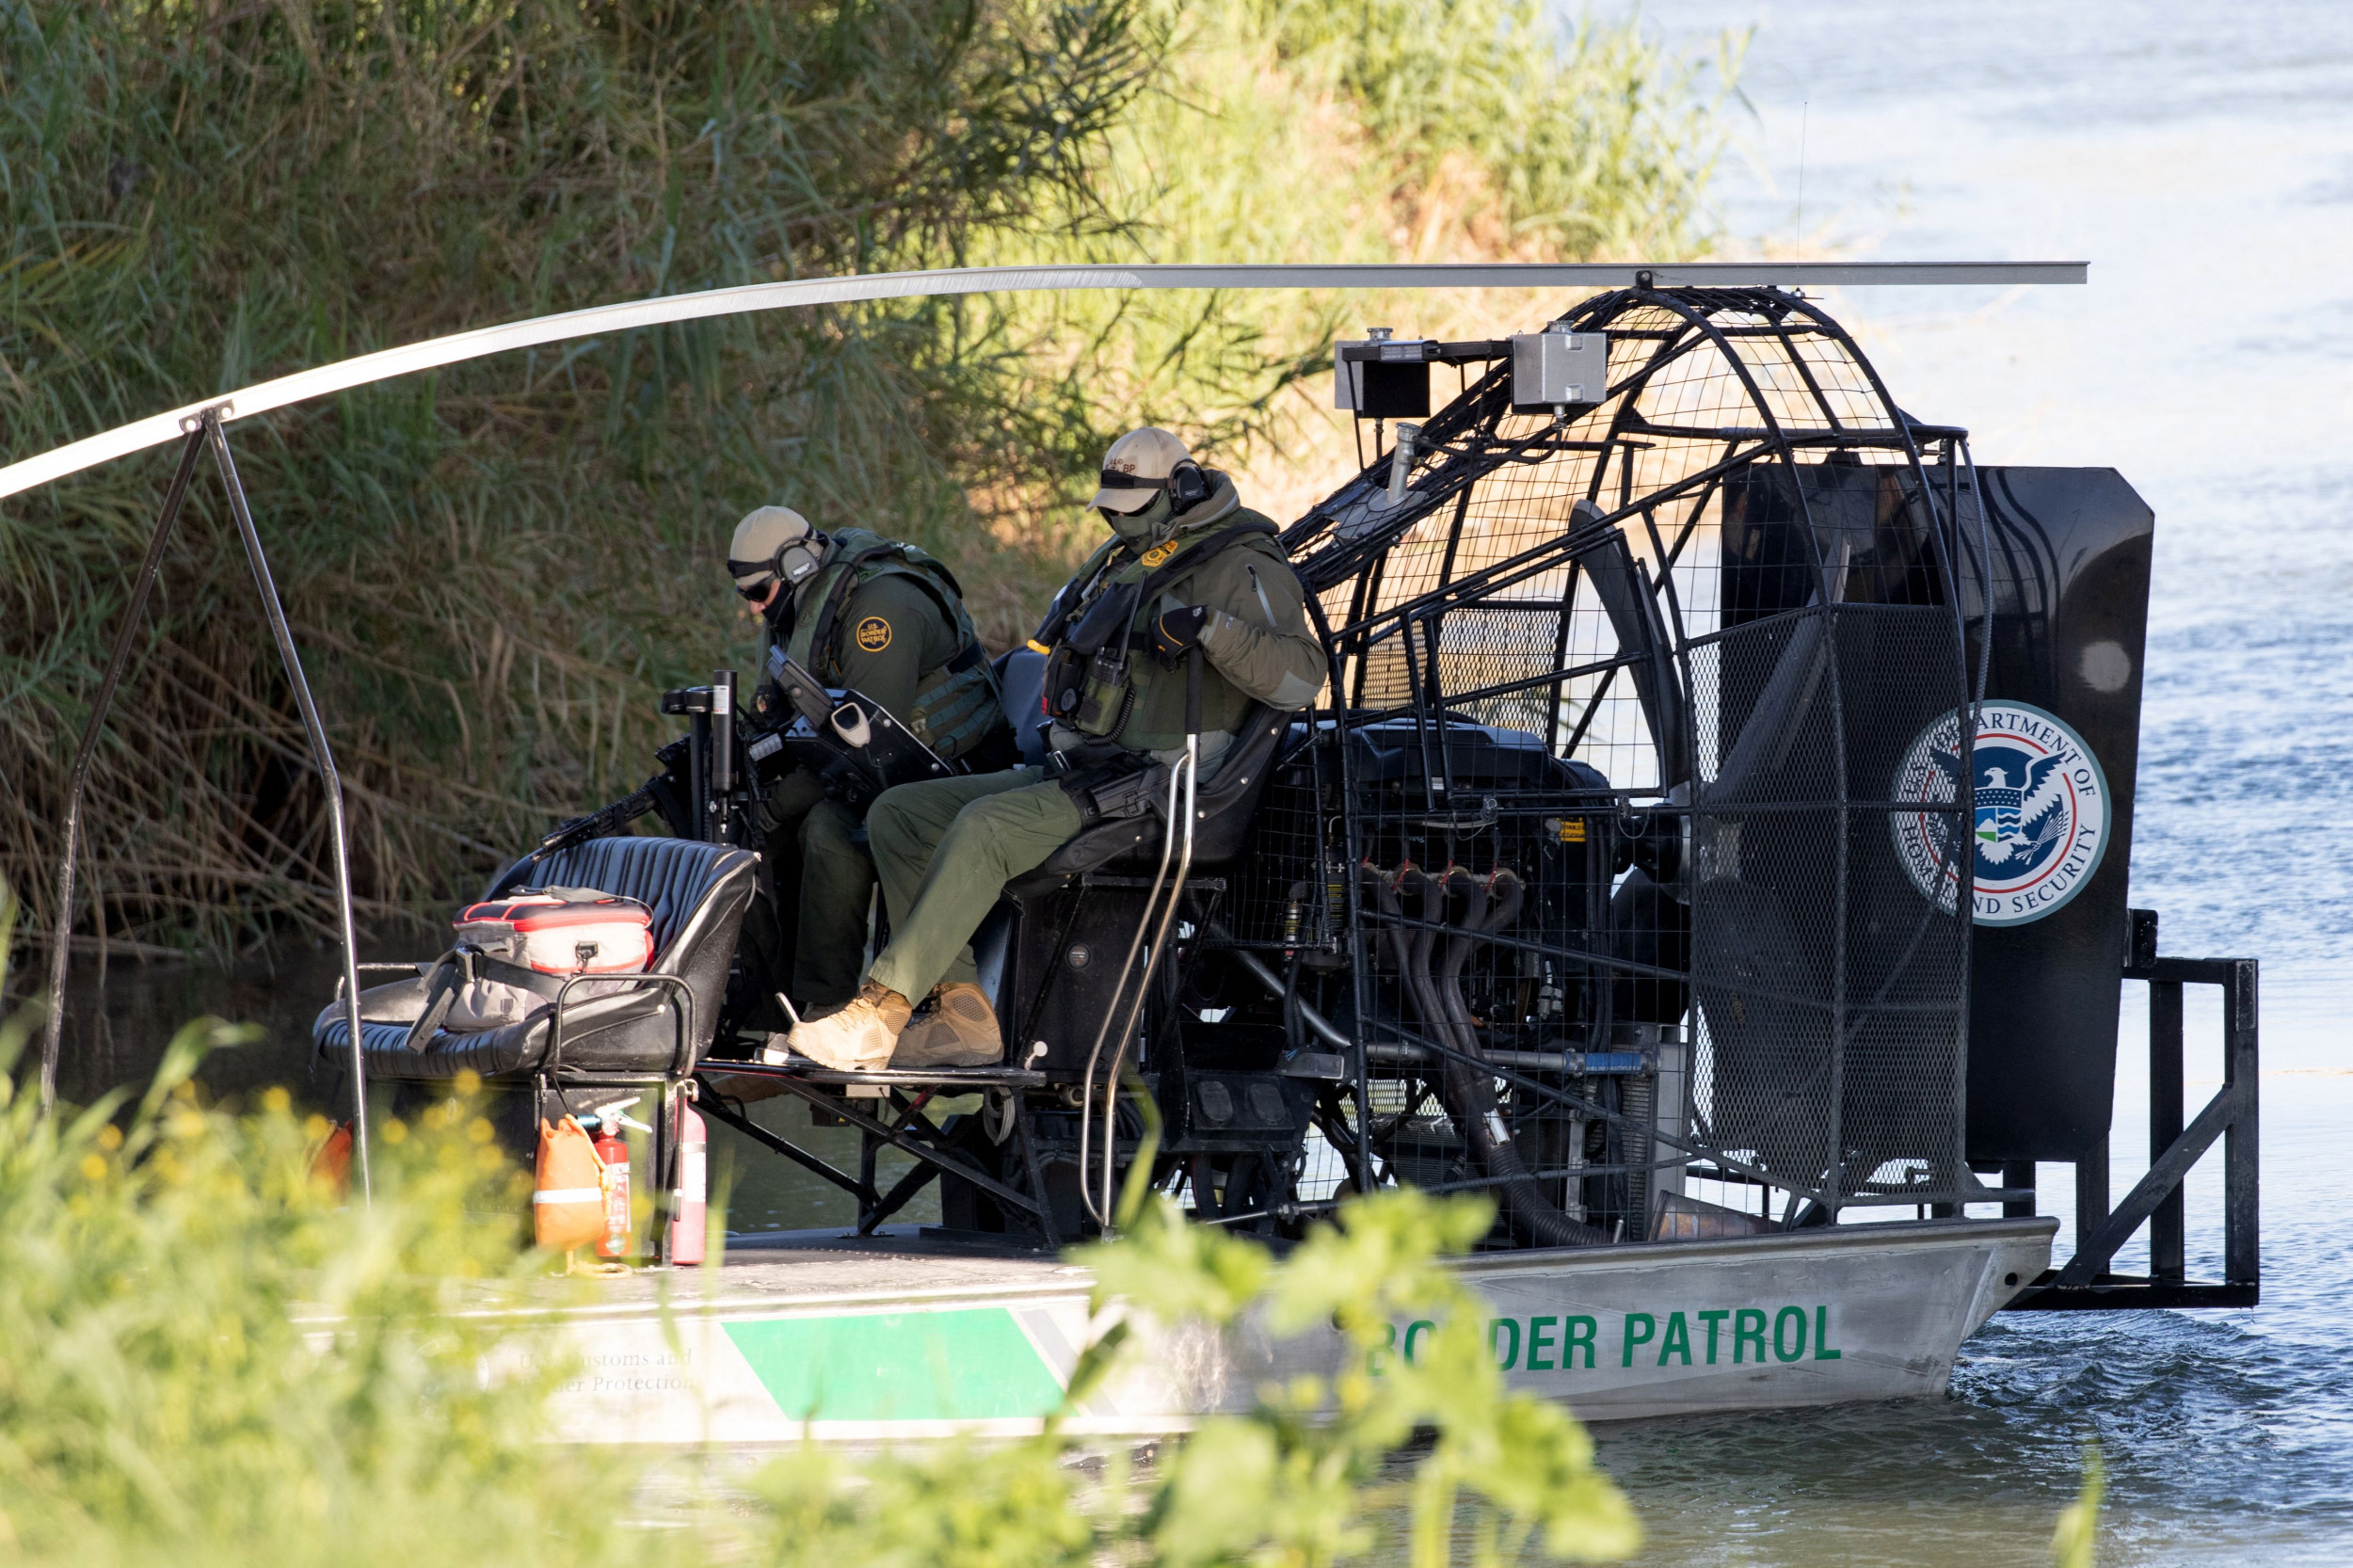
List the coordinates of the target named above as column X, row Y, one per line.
column 912, row 1134
column 201, row 428
column 2084, row 1284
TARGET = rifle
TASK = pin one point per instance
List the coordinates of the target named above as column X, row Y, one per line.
column 604, row 823
column 844, row 736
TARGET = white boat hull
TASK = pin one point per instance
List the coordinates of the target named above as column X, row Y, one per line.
column 894, row 1339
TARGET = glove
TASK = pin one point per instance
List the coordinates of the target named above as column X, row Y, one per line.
column 1177, row 634
column 768, row 811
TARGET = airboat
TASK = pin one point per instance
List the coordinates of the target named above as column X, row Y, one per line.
column 1711, row 842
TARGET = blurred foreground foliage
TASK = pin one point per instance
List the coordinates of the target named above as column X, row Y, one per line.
column 210, row 1359
column 492, row 568
column 2076, row 1539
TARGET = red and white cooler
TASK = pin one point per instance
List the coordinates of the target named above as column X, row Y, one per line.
column 562, row 932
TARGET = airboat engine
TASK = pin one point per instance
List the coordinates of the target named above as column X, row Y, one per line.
column 1633, row 870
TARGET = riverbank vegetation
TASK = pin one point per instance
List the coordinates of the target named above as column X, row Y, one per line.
column 213, row 1359
column 492, row 570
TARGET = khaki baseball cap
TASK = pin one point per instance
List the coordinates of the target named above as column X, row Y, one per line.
column 1137, row 468
column 759, row 540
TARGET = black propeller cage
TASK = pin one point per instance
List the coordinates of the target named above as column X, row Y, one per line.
column 1691, row 666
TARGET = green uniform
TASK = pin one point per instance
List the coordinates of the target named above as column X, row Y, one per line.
column 880, row 628
column 945, row 848
column 1258, row 641
column 886, row 618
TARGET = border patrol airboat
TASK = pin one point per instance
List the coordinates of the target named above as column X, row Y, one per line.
column 1711, row 841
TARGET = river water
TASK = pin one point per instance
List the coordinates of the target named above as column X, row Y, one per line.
column 2202, row 159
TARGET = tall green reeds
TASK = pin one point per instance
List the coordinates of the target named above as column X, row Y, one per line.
column 491, row 569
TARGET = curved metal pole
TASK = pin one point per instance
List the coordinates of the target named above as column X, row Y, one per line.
column 1192, row 766
column 746, row 298
column 333, row 780
column 1111, row 1011
column 53, row 1028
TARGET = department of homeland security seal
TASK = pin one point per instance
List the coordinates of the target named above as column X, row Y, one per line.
column 2041, row 812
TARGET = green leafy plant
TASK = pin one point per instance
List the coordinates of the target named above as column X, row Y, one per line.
column 1298, row 1479
column 211, row 1357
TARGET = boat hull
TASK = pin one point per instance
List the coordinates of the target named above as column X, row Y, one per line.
column 906, row 1338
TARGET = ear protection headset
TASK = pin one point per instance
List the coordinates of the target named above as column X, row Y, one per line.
column 798, row 561
column 1188, row 487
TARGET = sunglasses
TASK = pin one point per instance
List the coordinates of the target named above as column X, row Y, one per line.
column 745, row 568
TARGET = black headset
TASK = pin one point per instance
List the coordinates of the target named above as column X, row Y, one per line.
column 1187, row 485
column 809, row 548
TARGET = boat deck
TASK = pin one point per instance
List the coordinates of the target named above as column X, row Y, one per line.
column 808, row 1268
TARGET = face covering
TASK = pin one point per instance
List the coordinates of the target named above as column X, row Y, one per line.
column 1139, row 527
column 780, row 615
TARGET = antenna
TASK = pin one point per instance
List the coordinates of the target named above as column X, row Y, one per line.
column 1805, row 112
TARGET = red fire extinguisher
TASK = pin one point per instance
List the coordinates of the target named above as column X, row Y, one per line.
column 613, row 1152
column 686, row 1207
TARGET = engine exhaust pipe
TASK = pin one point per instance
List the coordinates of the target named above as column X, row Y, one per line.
column 1493, row 904
column 1469, row 1094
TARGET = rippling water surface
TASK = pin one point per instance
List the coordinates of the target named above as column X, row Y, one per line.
column 2202, row 159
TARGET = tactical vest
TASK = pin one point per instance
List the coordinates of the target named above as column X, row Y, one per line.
column 1094, row 634
column 957, row 704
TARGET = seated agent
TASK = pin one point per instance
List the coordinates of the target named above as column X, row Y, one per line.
column 854, row 610
column 1187, row 568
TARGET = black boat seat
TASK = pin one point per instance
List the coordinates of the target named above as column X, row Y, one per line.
column 1222, row 822
column 1021, row 675
column 697, row 893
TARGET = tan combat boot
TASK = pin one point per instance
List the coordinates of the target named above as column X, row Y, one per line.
column 957, row 1030
column 858, row 1039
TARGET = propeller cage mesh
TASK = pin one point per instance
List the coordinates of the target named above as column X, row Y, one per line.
column 1669, row 665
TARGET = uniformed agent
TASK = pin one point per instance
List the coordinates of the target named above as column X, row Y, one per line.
column 859, row 611
column 1187, row 567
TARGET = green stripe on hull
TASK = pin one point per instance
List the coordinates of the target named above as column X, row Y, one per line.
column 970, row 1365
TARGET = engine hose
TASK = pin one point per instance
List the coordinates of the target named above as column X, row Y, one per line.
column 1532, row 1217
column 1382, row 888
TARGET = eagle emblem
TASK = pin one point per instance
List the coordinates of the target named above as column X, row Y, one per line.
column 2018, row 806
column 2039, row 811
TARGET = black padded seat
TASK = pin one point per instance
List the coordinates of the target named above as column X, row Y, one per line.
column 697, row 893
column 1223, row 808
column 1020, row 674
